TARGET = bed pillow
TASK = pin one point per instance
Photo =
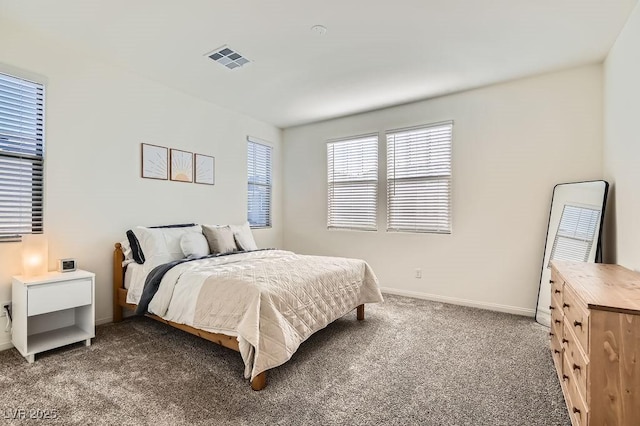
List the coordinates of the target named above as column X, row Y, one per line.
column 220, row 239
column 162, row 245
column 243, row 236
column 194, row 245
column 126, row 251
column 136, row 251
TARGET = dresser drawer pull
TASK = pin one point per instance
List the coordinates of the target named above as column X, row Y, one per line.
column 557, row 321
column 552, row 308
column 552, row 281
column 576, row 367
column 565, row 377
column 564, row 305
column 577, row 324
column 565, row 341
column 555, row 351
column 576, row 410
column 551, row 334
column 557, row 291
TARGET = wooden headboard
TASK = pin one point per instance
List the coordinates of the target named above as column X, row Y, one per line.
column 118, row 283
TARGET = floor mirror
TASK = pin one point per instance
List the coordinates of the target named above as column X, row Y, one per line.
column 573, row 233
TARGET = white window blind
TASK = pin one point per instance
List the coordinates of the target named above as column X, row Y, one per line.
column 419, row 179
column 21, row 157
column 576, row 233
column 352, row 166
column 259, row 190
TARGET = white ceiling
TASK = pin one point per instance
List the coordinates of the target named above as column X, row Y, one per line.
column 375, row 53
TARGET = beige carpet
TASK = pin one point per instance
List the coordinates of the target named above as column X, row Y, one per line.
column 412, row 362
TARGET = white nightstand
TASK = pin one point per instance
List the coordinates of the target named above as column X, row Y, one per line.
column 52, row 310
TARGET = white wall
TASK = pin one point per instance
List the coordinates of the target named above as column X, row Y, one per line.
column 512, row 143
column 622, row 144
column 96, row 118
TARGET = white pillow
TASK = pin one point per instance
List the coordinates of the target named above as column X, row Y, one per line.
column 244, row 237
column 128, row 254
column 162, row 245
column 194, row 244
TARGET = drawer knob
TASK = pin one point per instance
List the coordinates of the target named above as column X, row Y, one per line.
column 551, row 334
column 565, row 305
column 576, row 367
column 565, row 341
column 552, row 308
column 565, row 377
column 556, row 351
column 557, row 291
column 577, row 324
column 557, row 321
column 552, row 281
column 576, row 410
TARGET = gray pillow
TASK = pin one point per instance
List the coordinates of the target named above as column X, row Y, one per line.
column 194, row 244
column 244, row 237
column 220, row 239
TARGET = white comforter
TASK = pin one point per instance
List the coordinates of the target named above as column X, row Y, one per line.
column 271, row 300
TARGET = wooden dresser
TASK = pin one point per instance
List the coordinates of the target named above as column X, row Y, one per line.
column 595, row 341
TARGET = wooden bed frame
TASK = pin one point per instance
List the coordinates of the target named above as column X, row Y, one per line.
column 231, row 342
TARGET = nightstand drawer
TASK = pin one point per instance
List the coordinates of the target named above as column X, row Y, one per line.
column 57, row 296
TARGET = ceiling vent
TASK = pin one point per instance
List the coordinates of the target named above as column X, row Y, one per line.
column 228, row 57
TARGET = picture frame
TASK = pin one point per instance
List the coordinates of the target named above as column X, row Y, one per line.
column 205, row 169
column 181, row 166
column 154, row 161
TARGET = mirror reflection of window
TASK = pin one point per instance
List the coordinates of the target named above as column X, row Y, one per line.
column 576, row 233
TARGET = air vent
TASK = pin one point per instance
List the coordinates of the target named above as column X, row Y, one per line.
column 228, row 57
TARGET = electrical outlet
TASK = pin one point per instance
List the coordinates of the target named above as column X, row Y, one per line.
column 3, row 312
column 418, row 273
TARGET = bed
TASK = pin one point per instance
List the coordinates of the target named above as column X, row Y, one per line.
column 261, row 303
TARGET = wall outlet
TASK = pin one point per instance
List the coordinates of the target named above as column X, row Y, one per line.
column 418, row 273
column 3, row 313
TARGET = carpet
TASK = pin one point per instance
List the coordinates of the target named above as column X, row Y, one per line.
column 411, row 362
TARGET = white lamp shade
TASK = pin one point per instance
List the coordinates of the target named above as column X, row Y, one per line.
column 35, row 255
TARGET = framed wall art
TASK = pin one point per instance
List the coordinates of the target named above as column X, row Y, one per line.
column 155, row 161
column 205, row 169
column 181, row 169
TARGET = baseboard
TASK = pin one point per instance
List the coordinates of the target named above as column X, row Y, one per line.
column 104, row 321
column 5, row 345
column 464, row 302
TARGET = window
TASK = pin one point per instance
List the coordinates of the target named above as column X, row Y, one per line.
column 419, row 179
column 576, row 233
column 21, row 157
column 352, row 166
column 259, row 191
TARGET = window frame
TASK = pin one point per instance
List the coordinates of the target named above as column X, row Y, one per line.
column 390, row 181
column 33, row 152
column 268, row 185
column 352, row 227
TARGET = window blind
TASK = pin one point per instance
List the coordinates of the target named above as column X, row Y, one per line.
column 419, row 179
column 259, row 189
column 576, row 233
column 352, row 166
column 21, row 157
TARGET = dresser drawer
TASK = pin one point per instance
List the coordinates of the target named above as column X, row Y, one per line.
column 556, row 285
column 556, row 352
column 576, row 314
column 556, row 321
column 577, row 361
column 57, row 296
column 575, row 403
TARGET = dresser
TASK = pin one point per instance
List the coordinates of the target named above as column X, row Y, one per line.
column 595, row 341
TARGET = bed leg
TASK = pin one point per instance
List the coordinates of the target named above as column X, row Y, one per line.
column 360, row 312
column 259, row 382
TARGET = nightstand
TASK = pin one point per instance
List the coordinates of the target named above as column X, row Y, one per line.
column 52, row 310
